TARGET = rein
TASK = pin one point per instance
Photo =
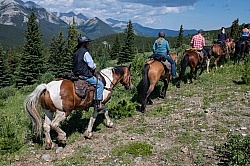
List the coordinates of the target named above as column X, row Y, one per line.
column 109, row 89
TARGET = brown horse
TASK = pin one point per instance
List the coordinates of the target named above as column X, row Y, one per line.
column 60, row 97
column 152, row 72
column 218, row 53
column 194, row 60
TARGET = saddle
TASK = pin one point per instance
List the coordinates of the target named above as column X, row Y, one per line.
column 82, row 87
column 160, row 58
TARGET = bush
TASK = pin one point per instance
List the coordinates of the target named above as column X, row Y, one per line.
column 7, row 92
column 246, row 72
column 236, row 151
column 9, row 139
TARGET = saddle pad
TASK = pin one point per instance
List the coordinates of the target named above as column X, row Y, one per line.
column 191, row 49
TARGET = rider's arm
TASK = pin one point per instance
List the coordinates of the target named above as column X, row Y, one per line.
column 89, row 60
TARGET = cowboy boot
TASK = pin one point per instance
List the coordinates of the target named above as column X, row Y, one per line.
column 98, row 105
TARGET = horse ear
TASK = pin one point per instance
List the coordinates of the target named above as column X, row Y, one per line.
column 129, row 66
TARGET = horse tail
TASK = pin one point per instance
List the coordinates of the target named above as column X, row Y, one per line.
column 184, row 65
column 145, row 81
column 31, row 106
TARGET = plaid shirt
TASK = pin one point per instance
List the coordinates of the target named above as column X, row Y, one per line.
column 198, row 41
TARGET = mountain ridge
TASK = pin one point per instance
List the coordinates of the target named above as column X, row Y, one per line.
column 16, row 12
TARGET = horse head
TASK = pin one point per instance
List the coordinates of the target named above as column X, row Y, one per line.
column 126, row 78
column 174, row 56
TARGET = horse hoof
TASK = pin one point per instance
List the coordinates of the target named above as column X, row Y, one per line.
column 49, row 145
column 88, row 135
column 110, row 124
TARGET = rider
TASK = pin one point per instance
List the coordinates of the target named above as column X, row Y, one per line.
column 245, row 33
column 161, row 47
column 198, row 42
column 84, row 66
column 222, row 37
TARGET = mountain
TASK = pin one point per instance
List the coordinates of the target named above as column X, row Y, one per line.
column 95, row 28
column 14, row 16
column 68, row 17
column 145, row 31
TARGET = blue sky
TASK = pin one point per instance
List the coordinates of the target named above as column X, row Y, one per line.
column 169, row 14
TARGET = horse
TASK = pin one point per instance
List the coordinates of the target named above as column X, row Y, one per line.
column 193, row 59
column 241, row 50
column 59, row 97
column 218, row 53
column 153, row 71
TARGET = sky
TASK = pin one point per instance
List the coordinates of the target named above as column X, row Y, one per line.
column 158, row 14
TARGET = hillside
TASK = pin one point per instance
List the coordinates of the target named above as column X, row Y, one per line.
column 186, row 128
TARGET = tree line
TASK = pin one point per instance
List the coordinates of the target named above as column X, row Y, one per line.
column 32, row 61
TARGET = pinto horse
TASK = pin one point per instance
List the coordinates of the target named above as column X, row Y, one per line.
column 60, row 97
column 152, row 72
column 194, row 60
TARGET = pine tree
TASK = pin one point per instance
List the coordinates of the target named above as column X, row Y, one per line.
column 70, row 47
column 127, row 53
column 235, row 30
column 13, row 58
column 56, row 54
column 179, row 38
column 31, row 64
column 3, row 70
column 116, row 47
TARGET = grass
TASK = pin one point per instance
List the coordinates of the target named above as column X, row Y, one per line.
column 196, row 116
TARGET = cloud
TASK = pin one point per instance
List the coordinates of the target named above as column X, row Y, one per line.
column 159, row 3
column 146, row 12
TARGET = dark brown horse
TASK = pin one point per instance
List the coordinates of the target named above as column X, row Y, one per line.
column 60, row 97
column 241, row 49
column 152, row 72
column 194, row 60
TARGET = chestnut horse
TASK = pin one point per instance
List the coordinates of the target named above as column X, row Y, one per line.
column 152, row 72
column 60, row 97
column 194, row 60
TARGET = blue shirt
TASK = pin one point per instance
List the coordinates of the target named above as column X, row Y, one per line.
column 161, row 47
column 89, row 60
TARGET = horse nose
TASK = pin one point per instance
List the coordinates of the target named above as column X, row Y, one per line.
column 129, row 87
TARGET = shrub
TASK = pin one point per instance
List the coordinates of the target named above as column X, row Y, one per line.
column 237, row 150
column 246, row 72
column 7, row 92
column 9, row 139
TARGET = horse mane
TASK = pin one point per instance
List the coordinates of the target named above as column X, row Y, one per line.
column 118, row 70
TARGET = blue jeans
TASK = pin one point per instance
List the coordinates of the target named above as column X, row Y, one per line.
column 173, row 65
column 99, row 86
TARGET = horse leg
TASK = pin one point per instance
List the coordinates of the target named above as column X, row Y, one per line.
column 164, row 89
column 60, row 116
column 216, row 62
column 88, row 133
column 191, row 74
column 109, row 123
column 46, row 126
column 208, row 63
column 147, row 98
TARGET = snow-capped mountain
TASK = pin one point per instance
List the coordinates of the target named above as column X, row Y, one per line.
column 16, row 12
